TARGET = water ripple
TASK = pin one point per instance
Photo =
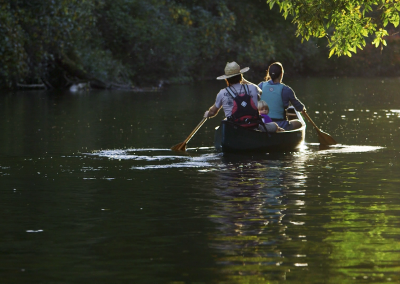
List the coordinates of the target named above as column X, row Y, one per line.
column 165, row 157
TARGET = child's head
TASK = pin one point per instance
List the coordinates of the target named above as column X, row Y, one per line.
column 263, row 107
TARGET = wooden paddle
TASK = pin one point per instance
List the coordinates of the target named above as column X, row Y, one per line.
column 182, row 146
column 324, row 138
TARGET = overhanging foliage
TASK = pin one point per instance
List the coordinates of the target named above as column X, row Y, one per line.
column 345, row 23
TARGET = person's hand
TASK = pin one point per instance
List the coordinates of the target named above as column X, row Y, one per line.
column 206, row 114
column 279, row 129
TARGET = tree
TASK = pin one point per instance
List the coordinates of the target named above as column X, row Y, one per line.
column 43, row 40
column 182, row 41
column 117, row 43
column 346, row 23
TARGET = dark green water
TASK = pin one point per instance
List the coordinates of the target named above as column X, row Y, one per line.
column 91, row 193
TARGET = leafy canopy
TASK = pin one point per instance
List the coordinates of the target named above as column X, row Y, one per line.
column 346, row 23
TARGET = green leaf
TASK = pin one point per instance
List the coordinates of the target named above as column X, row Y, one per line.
column 271, row 4
column 385, row 22
column 332, row 52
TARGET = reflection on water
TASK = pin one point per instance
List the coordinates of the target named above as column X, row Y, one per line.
column 259, row 206
column 251, row 214
column 364, row 239
column 268, row 220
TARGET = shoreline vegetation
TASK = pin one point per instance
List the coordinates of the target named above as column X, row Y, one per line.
column 143, row 45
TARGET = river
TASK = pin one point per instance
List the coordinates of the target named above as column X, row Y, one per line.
column 91, row 193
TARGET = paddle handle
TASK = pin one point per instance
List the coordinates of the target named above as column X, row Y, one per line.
column 323, row 138
column 195, row 130
column 312, row 122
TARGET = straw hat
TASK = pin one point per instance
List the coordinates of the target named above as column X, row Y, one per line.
column 232, row 69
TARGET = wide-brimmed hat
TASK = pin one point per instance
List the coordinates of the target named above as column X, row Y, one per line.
column 232, row 69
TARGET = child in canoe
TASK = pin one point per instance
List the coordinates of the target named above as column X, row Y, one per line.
column 263, row 109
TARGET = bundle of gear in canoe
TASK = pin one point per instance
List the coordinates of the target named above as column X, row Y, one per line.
column 244, row 111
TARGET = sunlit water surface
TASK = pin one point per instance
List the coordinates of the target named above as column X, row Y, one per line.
column 90, row 192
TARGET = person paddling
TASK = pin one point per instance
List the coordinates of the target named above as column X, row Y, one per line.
column 278, row 96
column 239, row 100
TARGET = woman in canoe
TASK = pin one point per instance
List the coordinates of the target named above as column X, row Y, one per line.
column 239, row 100
column 278, row 96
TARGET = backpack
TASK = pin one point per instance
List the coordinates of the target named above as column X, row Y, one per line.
column 244, row 112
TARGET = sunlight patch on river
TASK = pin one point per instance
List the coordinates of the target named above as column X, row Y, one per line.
column 339, row 148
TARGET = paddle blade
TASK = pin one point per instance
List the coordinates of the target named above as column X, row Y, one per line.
column 179, row 147
column 325, row 138
column 182, row 146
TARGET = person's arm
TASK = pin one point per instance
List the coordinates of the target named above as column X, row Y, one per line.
column 213, row 111
column 289, row 96
column 244, row 81
column 259, row 92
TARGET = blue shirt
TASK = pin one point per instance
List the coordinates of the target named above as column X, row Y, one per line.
column 288, row 96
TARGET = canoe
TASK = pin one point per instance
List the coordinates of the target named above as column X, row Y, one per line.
column 229, row 137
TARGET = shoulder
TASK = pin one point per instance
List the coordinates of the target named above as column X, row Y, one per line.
column 254, row 88
column 222, row 94
column 222, row 91
column 287, row 88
